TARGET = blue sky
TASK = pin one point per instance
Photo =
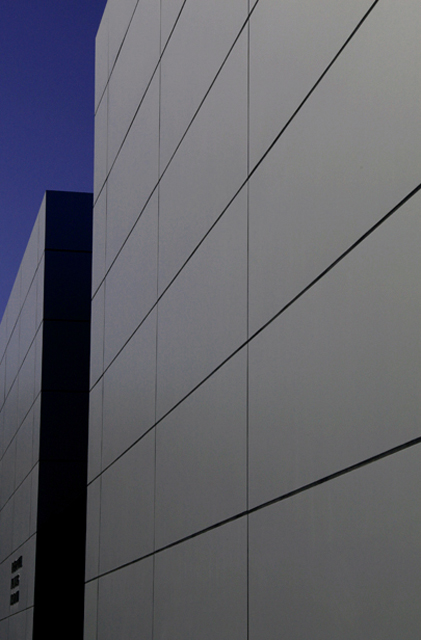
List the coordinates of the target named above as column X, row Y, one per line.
column 46, row 113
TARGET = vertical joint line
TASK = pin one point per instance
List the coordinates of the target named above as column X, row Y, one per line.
column 157, row 312
column 248, row 326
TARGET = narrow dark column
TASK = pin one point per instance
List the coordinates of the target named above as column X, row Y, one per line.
column 61, row 516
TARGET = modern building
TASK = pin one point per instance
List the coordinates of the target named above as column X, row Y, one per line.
column 254, row 449
column 255, row 364
column 44, row 384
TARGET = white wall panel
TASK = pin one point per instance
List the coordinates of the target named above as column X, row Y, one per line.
column 4, row 628
column 119, row 15
column 129, row 392
column 99, row 240
column 207, row 169
column 33, row 507
column 341, row 560
column 131, row 287
column 127, row 504
column 201, row 40
column 36, row 410
column 21, row 513
column 202, row 317
column 134, row 175
column 26, row 385
column 28, row 319
column 95, row 431
column 27, row 551
column 93, row 519
column 170, row 12
column 13, row 305
column 97, row 335
column 3, row 343
column 39, row 277
column 125, row 602
column 291, row 44
column 201, row 587
column 29, row 623
column 133, row 70
column 201, row 456
column 6, row 527
column 4, row 589
column 91, row 611
column 2, row 446
column 101, row 143
column 12, row 360
column 11, row 414
column 17, row 626
column 8, row 472
column 350, row 155
column 24, row 448
column 335, row 379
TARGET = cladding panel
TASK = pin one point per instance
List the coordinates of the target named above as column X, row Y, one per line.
column 326, row 378
column 208, row 168
column 129, row 392
column 127, row 504
column 347, row 159
column 346, row 553
column 200, row 453
column 133, row 70
column 99, row 240
column 130, row 590
column 136, row 266
column 203, row 316
column 134, row 174
column 201, row 586
column 197, row 49
column 291, row 44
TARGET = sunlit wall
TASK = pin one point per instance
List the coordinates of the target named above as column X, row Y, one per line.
column 255, row 366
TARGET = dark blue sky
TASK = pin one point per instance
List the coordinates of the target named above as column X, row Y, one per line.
column 46, row 113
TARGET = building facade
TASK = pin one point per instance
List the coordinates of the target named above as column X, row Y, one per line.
column 44, row 384
column 254, row 449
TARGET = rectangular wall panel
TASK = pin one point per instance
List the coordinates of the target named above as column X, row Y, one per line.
column 127, row 502
column 208, row 168
column 203, row 318
column 202, row 585
column 346, row 160
column 201, row 456
column 129, row 589
column 342, row 559
column 133, row 69
column 327, row 381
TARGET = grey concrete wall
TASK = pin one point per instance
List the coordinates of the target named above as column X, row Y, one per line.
column 44, row 364
column 20, row 389
column 255, row 367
